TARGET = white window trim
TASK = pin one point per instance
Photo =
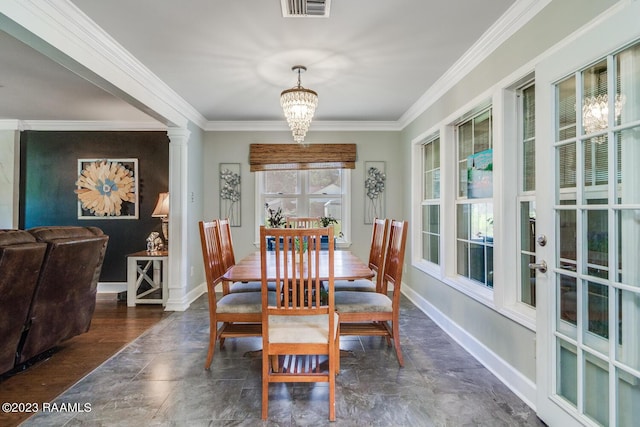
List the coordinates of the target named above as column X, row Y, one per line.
column 502, row 298
column 341, row 243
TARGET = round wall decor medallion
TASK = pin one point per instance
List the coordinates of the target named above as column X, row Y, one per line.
column 103, row 186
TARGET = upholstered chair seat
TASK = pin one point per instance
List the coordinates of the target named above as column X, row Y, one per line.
column 243, row 302
column 362, row 302
column 243, row 287
column 360, row 285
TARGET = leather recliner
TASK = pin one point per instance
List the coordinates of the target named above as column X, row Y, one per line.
column 20, row 262
column 65, row 296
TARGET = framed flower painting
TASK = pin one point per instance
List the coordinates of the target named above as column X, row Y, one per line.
column 107, row 188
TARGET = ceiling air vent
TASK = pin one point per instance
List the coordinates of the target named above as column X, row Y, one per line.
column 305, row 8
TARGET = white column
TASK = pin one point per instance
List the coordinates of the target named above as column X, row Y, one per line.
column 178, row 242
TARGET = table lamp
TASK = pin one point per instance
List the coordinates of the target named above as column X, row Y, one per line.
column 162, row 211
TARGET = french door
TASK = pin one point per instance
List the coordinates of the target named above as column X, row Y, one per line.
column 588, row 327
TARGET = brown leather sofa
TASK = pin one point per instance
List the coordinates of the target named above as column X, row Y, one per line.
column 63, row 300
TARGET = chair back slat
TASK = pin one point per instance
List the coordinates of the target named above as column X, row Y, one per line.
column 378, row 246
column 226, row 243
column 302, row 222
column 211, row 254
column 394, row 258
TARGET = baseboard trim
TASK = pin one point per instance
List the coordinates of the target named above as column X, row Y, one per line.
column 522, row 386
column 111, row 287
column 183, row 303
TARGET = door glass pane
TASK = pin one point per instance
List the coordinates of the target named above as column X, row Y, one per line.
column 596, row 389
column 567, row 239
column 596, row 317
column 595, row 104
column 597, row 243
column 628, row 250
column 527, row 280
column 628, row 84
column 567, row 304
column 628, row 400
column 567, row 375
column 567, row 165
column 628, row 345
column 566, row 104
column 596, row 172
column 628, row 172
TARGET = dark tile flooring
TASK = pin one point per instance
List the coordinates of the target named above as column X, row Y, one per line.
column 159, row 380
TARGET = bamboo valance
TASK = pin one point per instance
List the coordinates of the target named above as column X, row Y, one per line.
column 264, row 157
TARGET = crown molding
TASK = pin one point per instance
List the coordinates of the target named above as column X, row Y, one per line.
column 10, row 124
column 316, row 126
column 92, row 53
column 508, row 24
column 86, row 125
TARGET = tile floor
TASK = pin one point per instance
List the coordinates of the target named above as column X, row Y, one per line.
column 159, row 380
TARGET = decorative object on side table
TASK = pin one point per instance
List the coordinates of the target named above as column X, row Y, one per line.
column 107, row 188
column 154, row 242
column 230, row 193
column 162, row 211
column 374, row 186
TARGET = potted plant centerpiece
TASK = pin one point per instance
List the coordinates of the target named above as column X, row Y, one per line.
column 326, row 221
column 274, row 219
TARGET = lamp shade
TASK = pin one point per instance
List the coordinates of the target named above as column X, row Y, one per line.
column 162, row 206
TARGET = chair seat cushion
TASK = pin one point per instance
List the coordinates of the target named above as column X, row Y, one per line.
column 361, row 285
column 361, row 302
column 300, row 329
column 237, row 287
column 243, row 302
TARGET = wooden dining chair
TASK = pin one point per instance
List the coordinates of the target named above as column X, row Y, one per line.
column 229, row 260
column 375, row 313
column 376, row 261
column 240, row 313
column 302, row 222
column 300, row 331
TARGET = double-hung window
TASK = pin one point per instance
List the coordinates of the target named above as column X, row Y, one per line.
column 308, row 193
column 474, row 202
column 431, row 199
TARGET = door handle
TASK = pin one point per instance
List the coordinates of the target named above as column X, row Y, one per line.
column 541, row 266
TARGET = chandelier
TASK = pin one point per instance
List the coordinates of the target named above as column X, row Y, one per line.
column 299, row 104
column 595, row 112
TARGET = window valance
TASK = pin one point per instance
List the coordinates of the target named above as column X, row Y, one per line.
column 264, row 157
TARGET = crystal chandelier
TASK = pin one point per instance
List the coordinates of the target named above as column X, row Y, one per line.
column 595, row 112
column 299, row 104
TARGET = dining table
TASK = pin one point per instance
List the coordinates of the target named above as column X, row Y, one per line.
column 346, row 266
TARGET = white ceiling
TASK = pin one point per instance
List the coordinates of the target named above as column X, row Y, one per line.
column 371, row 60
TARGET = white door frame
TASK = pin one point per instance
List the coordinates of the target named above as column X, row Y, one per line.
column 610, row 32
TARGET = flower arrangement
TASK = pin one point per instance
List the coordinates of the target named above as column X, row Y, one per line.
column 275, row 219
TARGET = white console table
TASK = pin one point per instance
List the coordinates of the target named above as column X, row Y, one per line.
column 146, row 274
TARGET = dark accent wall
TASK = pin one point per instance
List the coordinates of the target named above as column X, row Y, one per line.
column 49, row 170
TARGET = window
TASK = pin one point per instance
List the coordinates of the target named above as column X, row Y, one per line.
column 431, row 200
column 312, row 192
column 474, row 203
column 526, row 193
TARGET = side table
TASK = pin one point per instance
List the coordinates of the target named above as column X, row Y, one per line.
column 141, row 282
